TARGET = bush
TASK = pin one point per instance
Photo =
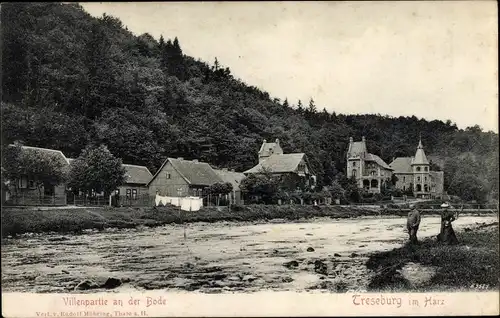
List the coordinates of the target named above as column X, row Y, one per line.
column 237, row 207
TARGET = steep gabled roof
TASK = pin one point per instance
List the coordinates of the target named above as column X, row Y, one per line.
column 357, row 148
column 279, row 163
column 269, row 148
column 232, row 177
column 52, row 152
column 194, row 172
column 137, row 174
column 378, row 160
column 402, row 165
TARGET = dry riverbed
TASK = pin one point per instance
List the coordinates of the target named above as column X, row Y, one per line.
column 322, row 254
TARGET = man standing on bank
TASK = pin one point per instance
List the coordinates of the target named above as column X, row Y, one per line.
column 413, row 223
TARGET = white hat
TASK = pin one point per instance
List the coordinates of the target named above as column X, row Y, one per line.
column 445, row 205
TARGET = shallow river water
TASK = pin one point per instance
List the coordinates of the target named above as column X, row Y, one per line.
column 211, row 257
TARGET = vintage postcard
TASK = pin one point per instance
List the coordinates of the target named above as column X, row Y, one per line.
column 181, row 159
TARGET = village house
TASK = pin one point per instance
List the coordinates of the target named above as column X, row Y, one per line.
column 414, row 174
column 181, row 178
column 135, row 185
column 369, row 170
column 235, row 179
column 136, row 180
column 293, row 168
column 24, row 191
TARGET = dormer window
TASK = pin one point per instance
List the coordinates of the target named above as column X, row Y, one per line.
column 418, row 168
column 354, row 164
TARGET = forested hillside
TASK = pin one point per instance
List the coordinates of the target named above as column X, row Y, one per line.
column 70, row 79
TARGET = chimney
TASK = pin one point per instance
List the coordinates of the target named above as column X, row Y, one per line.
column 180, row 158
column 224, row 169
column 351, row 140
column 363, row 139
column 265, row 141
column 195, row 160
column 232, row 170
column 277, row 141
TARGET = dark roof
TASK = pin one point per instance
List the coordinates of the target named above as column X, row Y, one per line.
column 378, row 160
column 194, row 172
column 402, row 165
column 279, row 163
column 232, row 177
column 137, row 174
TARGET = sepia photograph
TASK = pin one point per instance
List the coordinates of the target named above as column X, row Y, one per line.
column 219, row 151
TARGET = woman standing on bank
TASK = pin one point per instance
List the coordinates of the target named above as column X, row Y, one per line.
column 447, row 234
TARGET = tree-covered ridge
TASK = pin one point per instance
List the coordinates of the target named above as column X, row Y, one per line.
column 70, row 79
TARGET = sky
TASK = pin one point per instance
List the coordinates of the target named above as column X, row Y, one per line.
column 434, row 60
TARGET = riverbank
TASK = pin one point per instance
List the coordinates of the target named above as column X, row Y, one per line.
column 32, row 220
column 473, row 264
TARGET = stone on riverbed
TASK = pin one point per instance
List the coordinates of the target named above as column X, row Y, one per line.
column 86, row 285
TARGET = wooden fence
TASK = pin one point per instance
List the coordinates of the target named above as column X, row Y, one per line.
column 82, row 200
column 30, row 199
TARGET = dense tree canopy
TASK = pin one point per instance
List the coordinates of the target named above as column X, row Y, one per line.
column 44, row 169
column 96, row 170
column 69, row 78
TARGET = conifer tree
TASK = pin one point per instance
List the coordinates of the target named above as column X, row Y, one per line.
column 300, row 107
column 285, row 103
column 312, row 106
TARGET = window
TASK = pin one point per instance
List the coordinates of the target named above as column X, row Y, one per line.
column 366, row 184
column 425, row 178
column 168, row 175
column 372, row 173
column 418, row 179
column 404, row 179
column 31, row 184
column 354, row 164
column 418, row 168
column 354, row 172
column 128, row 193
column 426, row 169
column 23, row 182
column 134, row 194
column 48, row 189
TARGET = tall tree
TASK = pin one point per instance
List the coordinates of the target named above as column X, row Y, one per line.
column 312, row 107
column 300, row 107
column 96, row 170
